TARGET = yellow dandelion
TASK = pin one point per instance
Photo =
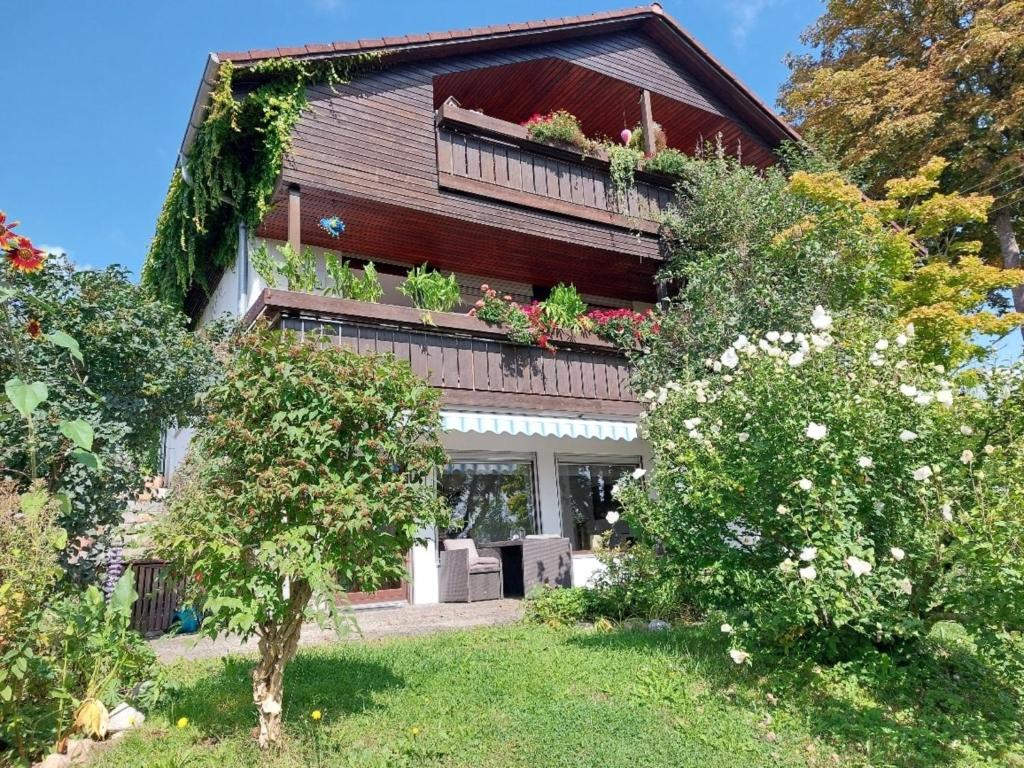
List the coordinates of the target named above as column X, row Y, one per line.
column 316, row 714
column 182, row 722
column 414, row 731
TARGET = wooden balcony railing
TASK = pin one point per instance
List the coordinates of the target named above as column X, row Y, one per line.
column 482, row 155
column 471, row 362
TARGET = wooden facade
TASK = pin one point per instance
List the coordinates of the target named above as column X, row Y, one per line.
column 470, row 362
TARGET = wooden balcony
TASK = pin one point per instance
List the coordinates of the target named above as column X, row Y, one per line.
column 472, row 363
column 488, row 157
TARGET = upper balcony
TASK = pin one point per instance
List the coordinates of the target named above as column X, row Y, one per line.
column 482, row 155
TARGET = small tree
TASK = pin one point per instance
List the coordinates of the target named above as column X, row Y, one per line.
column 306, row 479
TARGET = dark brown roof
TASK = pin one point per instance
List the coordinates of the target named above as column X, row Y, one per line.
column 651, row 18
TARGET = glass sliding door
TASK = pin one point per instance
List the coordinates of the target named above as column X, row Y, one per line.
column 585, row 494
column 491, row 500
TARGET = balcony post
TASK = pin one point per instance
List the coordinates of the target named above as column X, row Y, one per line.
column 647, row 122
column 294, row 219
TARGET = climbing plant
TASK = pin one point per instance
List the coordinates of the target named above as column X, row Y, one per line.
column 232, row 169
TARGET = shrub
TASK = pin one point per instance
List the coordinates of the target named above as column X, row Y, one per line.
column 636, row 139
column 669, row 161
column 430, row 290
column 547, row 605
column 825, row 493
column 306, row 480
column 622, row 165
column 564, row 309
column 558, row 126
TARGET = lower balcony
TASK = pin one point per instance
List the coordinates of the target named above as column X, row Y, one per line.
column 473, row 364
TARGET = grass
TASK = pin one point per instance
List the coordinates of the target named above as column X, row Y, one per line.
column 535, row 696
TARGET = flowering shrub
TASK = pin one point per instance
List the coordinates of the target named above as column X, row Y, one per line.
column 625, row 328
column 823, row 492
column 558, row 126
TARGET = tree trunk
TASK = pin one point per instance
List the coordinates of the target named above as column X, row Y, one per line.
column 1010, row 249
column 278, row 643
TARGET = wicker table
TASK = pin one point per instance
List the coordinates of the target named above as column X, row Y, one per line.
column 531, row 562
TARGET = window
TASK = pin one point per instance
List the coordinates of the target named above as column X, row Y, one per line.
column 585, row 491
column 490, row 500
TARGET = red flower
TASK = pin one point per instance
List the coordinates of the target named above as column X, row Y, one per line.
column 33, row 329
column 25, row 256
column 6, row 230
column 198, row 577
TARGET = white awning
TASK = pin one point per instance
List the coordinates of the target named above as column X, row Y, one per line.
column 545, row 426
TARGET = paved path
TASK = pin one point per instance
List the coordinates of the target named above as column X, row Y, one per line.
column 374, row 623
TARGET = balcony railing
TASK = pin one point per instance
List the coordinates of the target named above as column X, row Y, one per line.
column 472, row 363
column 482, row 155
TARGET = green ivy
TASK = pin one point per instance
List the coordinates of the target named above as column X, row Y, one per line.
column 232, row 170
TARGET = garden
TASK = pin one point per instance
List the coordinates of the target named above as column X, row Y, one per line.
column 825, row 563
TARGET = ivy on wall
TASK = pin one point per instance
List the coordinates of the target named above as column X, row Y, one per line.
column 232, row 169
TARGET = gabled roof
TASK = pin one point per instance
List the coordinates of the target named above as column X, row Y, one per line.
column 652, row 19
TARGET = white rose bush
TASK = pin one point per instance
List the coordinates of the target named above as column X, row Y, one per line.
column 822, row 489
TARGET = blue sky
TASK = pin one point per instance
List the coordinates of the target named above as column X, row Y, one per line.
column 98, row 93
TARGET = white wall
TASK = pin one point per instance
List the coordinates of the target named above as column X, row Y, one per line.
column 544, row 452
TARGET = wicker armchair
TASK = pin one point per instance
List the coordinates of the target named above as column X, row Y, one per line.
column 466, row 575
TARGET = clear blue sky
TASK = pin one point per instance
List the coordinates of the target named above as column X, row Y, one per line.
column 98, row 93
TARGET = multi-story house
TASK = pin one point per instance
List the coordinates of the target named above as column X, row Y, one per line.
column 426, row 159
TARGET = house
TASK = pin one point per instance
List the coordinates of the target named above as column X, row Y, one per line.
column 425, row 158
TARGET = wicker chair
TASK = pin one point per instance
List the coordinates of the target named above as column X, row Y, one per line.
column 467, row 576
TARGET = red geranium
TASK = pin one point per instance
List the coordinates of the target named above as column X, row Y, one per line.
column 6, row 230
column 25, row 256
column 33, row 328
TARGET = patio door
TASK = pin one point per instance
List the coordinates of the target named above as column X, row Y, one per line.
column 585, row 497
column 491, row 498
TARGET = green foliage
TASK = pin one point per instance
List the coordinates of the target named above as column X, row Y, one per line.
column 622, row 164
column 107, row 370
column 232, row 169
column 830, row 493
column 347, row 285
column 309, row 472
column 56, row 650
column 430, row 290
column 564, row 309
column 669, row 161
column 559, row 607
column 558, row 126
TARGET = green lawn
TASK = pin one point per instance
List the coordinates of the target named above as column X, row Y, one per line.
column 534, row 696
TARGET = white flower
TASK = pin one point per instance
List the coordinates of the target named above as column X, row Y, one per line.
column 816, row 431
column 805, row 484
column 910, row 330
column 807, row 554
column 967, row 457
column 774, row 351
column 662, row 395
column 717, row 366
column 692, row 423
column 739, row 656
column 772, row 336
column 782, row 509
column 694, row 434
column 939, row 368
column 649, row 394
column 615, row 490
column 944, row 396
column 901, row 364
column 897, row 554
column 787, row 565
column 674, row 386
column 796, row 359
column 922, row 473
column 901, row 340
column 966, row 429
column 906, row 587
column 741, row 342
column 865, row 462
column 729, row 358
column 947, row 512
column 821, row 342
column 808, row 573
column 989, row 450
column 858, row 566
column 925, row 398
column 787, row 337
column 882, row 344
column 876, row 360
column 639, row 472
column 727, row 629
column 821, row 319
column 743, row 437
column 612, row 517
column 908, row 389
column 907, row 436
